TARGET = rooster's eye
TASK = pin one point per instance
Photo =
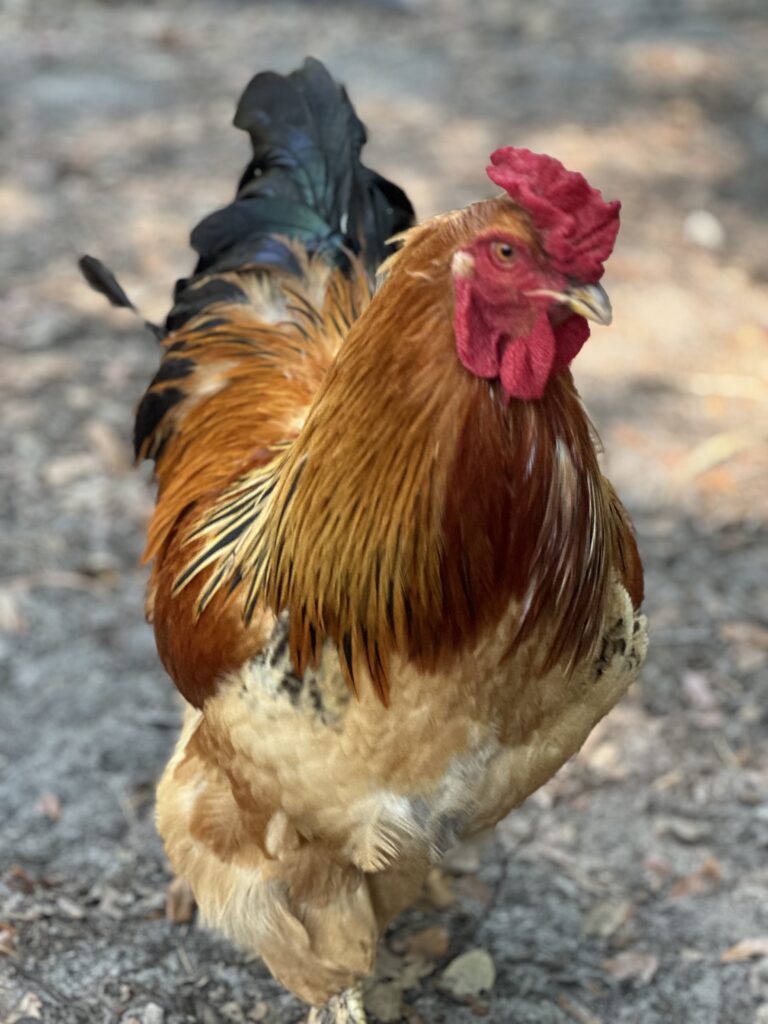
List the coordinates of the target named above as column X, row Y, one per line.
column 503, row 252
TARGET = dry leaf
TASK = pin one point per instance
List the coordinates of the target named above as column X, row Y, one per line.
column 108, row 445
column 606, row 758
column 49, row 806
column 7, row 938
column 632, row 966
column 606, row 917
column 19, row 880
column 69, row 908
column 438, row 890
column 411, row 1017
column 473, row 888
column 683, row 829
column 415, row 966
column 432, row 942
column 179, row 902
column 407, row 970
column 749, row 643
column 703, row 880
column 697, row 691
column 65, row 469
column 577, row 1012
column 11, row 619
column 745, row 950
column 30, row 1006
column 469, row 974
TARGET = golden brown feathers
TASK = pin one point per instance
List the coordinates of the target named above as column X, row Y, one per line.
column 252, row 368
column 414, row 506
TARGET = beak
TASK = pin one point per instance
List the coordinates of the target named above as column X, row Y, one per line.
column 589, row 300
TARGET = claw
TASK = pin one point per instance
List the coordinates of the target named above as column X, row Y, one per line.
column 345, row 1008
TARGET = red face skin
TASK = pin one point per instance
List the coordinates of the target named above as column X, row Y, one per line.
column 501, row 329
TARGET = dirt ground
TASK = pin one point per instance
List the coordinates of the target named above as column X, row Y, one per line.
column 633, row 889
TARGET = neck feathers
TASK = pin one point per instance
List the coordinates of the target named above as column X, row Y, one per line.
column 416, row 505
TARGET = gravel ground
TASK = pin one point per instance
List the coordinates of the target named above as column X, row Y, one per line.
column 631, row 889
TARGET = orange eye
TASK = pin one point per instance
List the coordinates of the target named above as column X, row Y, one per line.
column 503, row 252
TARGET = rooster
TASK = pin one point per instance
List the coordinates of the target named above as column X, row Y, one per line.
column 388, row 576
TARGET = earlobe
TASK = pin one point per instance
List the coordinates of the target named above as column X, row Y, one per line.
column 463, row 264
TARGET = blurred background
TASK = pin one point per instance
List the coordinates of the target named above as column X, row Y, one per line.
column 633, row 889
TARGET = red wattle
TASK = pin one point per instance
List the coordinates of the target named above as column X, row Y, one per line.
column 527, row 361
column 475, row 344
column 570, row 335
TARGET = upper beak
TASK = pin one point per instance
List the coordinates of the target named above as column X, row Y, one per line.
column 589, row 300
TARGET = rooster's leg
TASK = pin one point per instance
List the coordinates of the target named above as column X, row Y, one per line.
column 345, row 1008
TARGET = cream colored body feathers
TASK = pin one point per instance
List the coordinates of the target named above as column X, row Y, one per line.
column 363, row 800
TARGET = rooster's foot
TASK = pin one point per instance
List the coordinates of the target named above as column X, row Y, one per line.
column 345, row 1008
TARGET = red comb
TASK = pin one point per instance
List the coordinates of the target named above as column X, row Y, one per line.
column 577, row 226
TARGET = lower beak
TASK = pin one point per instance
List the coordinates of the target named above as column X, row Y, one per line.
column 589, row 300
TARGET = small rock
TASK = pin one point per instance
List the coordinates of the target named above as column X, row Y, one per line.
column 761, row 1017
column 469, row 974
column 149, row 1014
column 152, row 1014
column 702, row 228
column 384, row 999
column 259, row 1012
